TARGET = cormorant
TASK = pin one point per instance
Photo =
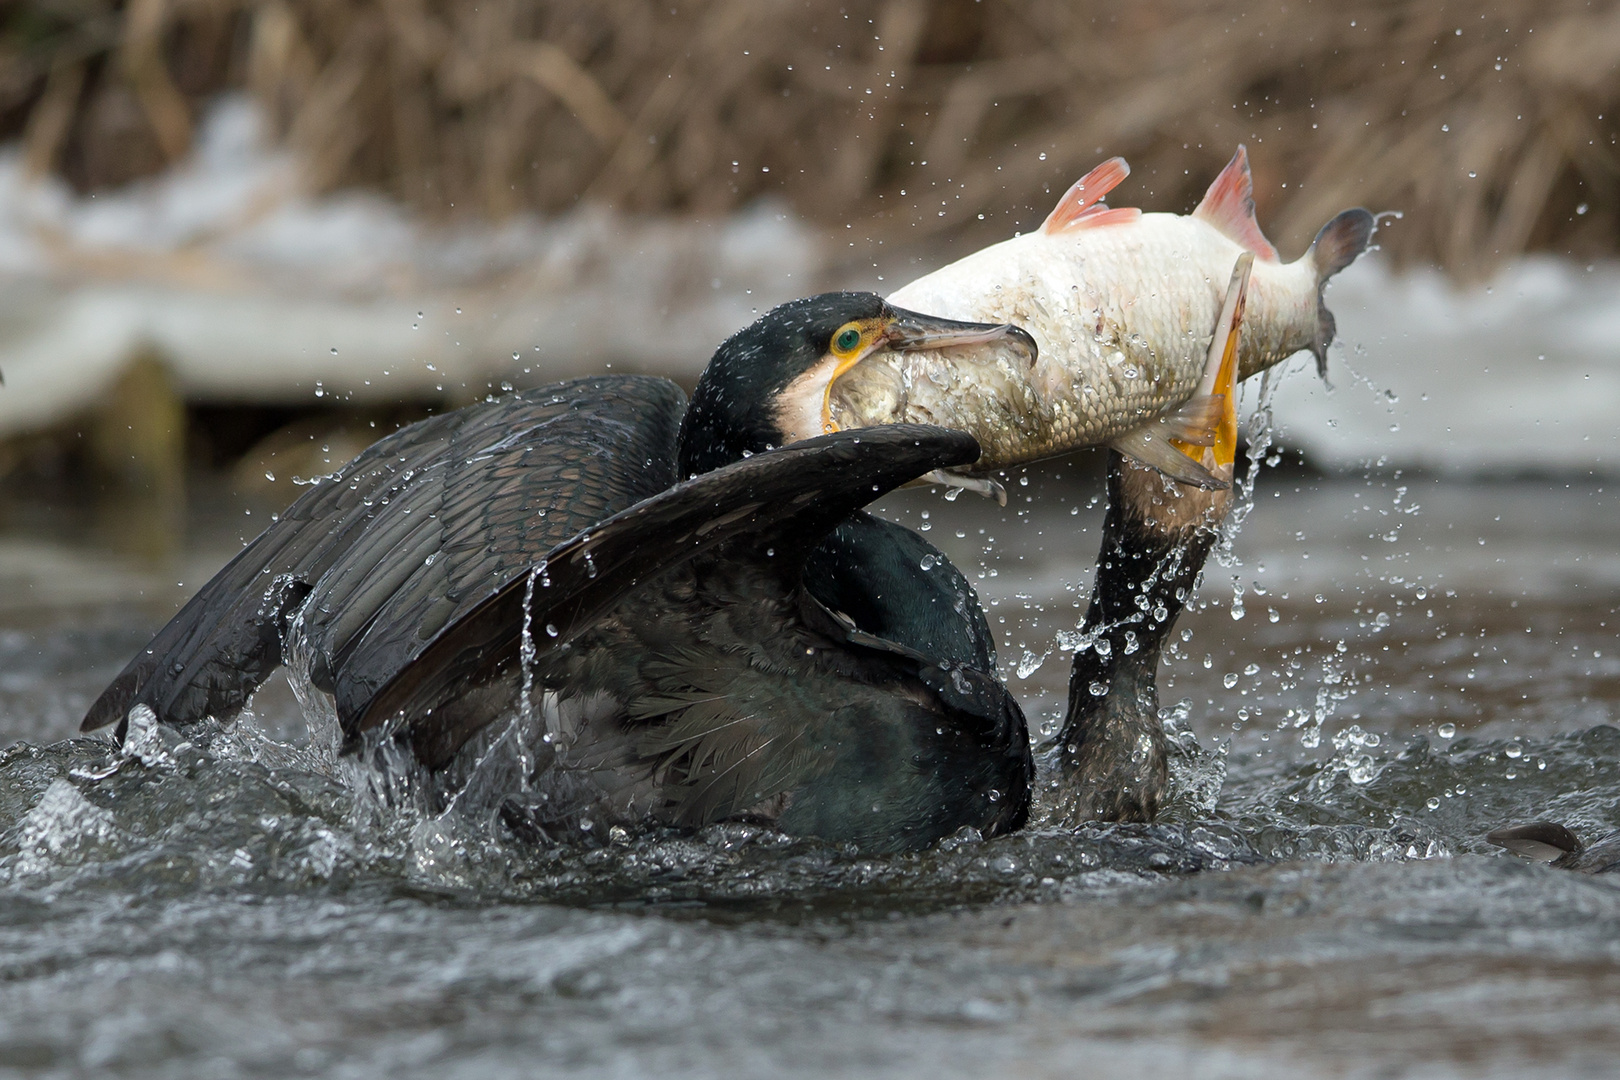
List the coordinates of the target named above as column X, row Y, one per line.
column 663, row 657
column 1109, row 761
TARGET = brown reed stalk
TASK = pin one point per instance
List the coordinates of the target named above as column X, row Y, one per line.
column 1490, row 124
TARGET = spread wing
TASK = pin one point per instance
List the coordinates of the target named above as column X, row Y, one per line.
column 368, row 565
column 771, row 508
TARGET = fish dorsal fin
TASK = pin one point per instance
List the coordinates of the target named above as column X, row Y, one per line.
column 1229, row 206
column 1078, row 210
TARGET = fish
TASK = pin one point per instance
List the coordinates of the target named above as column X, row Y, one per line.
column 1122, row 306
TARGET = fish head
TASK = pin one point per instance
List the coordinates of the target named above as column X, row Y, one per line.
column 773, row 382
column 859, row 380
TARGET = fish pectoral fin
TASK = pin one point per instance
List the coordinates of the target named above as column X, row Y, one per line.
column 979, row 485
column 1151, row 446
column 1197, row 422
column 1084, row 195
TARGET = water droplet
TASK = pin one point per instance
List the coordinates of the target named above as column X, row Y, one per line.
column 1433, row 804
column 551, row 630
column 1446, row 731
column 1229, row 680
column 929, row 561
column 1098, row 689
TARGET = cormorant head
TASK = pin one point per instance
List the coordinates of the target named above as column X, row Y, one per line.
column 769, row 384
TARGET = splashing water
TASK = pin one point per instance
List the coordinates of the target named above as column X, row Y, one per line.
column 244, row 895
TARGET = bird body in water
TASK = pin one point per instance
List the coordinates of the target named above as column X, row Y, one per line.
column 651, row 639
column 741, row 643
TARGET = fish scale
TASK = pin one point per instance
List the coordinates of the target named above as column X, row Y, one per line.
column 1122, row 306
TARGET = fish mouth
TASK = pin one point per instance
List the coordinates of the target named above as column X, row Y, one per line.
column 910, row 331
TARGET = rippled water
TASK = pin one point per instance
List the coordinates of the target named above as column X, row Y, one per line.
column 1415, row 663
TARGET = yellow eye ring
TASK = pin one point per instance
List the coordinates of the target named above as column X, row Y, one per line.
column 847, row 340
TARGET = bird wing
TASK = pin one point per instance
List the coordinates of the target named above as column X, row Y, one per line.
column 421, row 524
column 516, row 481
column 781, row 503
column 893, row 583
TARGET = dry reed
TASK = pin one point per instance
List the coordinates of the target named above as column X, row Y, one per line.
column 1491, row 125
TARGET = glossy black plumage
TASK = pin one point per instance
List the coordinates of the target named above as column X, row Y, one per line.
column 402, row 540
column 731, row 690
column 733, row 409
column 677, row 663
column 1109, row 761
column 893, row 583
column 886, row 578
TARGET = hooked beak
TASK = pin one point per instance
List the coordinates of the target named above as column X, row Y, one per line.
column 1218, row 448
column 912, row 330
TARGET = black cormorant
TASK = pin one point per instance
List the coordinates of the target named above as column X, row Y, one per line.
column 1109, row 761
column 535, row 558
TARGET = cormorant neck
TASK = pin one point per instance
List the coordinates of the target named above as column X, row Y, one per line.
column 710, row 437
column 1109, row 762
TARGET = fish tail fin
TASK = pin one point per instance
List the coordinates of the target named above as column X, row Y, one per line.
column 1336, row 246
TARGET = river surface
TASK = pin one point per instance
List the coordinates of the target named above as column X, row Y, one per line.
column 1378, row 671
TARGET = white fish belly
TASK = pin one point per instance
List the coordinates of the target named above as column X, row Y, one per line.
column 1122, row 315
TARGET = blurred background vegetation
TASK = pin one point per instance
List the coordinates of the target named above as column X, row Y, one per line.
column 1491, row 124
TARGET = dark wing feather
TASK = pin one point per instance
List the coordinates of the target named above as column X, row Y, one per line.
column 482, row 490
column 782, row 502
column 227, row 638
column 514, row 486
column 898, row 586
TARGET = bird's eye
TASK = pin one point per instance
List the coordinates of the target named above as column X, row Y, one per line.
column 846, row 341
